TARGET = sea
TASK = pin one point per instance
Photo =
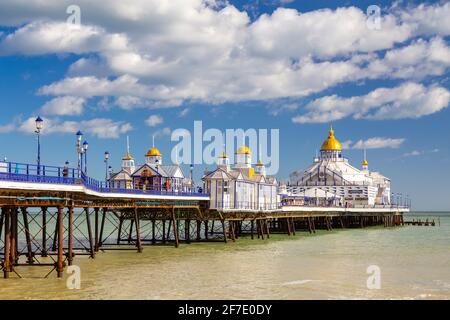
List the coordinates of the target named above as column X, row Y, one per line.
column 408, row 262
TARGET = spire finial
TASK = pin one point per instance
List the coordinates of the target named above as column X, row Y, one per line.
column 153, row 141
column 128, row 144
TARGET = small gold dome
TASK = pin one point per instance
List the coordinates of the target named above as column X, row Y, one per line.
column 127, row 157
column 244, row 150
column 260, row 163
column 331, row 143
column 153, row 152
column 365, row 163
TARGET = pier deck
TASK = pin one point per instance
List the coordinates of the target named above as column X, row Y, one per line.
column 48, row 219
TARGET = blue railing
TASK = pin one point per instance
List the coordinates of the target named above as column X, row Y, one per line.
column 23, row 172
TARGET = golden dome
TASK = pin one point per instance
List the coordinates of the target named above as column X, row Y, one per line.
column 244, row 150
column 127, row 157
column 331, row 143
column 153, row 152
column 365, row 163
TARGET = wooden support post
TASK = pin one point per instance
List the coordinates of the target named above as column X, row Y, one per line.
column 26, row 227
column 224, row 231
column 96, row 229
column 89, row 229
column 70, row 238
column 187, row 231
column 55, row 235
column 313, row 224
column 102, row 228
column 261, row 229
column 288, row 226
column 2, row 219
column 163, row 231
column 199, row 227
column 59, row 263
column 119, row 230
column 206, row 229
column 175, row 229
column 266, row 224
column 138, row 230
column 233, row 230
column 153, row 232
column 7, row 246
column 293, row 226
column 309, row 224
column 252, row 226
column 13, row 250
column 44, row 232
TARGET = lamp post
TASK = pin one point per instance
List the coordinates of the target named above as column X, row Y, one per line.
column 79, row 150
column 85, row 149
column 106, row 158
column 39, row 126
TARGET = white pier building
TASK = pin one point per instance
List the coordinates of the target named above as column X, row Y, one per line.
column 342, row 183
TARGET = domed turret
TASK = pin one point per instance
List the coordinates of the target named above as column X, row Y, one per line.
column 243, row 157
column 153, row 156
column 128, row 160
column 331, row 147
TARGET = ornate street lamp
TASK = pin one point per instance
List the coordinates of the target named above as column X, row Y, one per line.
column 106, row 158
column 85, row 149
column 39, row 127
column 79, row 150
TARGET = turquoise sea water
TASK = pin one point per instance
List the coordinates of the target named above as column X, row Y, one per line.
column 414, row 263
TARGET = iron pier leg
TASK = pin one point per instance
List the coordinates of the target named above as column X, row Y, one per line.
column 102, row 228
column 175, row 229
column 7, row 248
column 59, row 266
column 30, row 259
column 96, row 229
column 138, row 230
column 91, row 240
column 44, row 232
column 70, row 239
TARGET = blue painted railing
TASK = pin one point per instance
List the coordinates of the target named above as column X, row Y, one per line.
column 23, row 172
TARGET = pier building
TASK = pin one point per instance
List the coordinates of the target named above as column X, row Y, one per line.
column 152, row 175
column 332, row 173
column 241, row 186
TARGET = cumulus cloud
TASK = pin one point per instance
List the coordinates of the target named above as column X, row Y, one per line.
column 100, row 127
column 409, row 100
column 154, row 120
column 63, row 106
column 378, row 143
column 154, row 53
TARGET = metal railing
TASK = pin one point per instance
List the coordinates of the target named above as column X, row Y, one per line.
column 23, row 172
column 246, row 205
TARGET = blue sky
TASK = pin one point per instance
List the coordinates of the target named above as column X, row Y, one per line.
column 290, row 65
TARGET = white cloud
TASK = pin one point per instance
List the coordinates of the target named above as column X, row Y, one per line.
column 409, row 100
column 154, row 120
column 99, row 127
column 162, row 132
column 153, row 53
column 66, row 105
column 378, row 143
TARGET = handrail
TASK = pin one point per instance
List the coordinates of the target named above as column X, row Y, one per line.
column 22, row 172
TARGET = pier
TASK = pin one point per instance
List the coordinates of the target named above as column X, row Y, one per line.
column 52, row 215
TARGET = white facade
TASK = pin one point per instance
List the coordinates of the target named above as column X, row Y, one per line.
column 240, row 186
column 333, row 173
